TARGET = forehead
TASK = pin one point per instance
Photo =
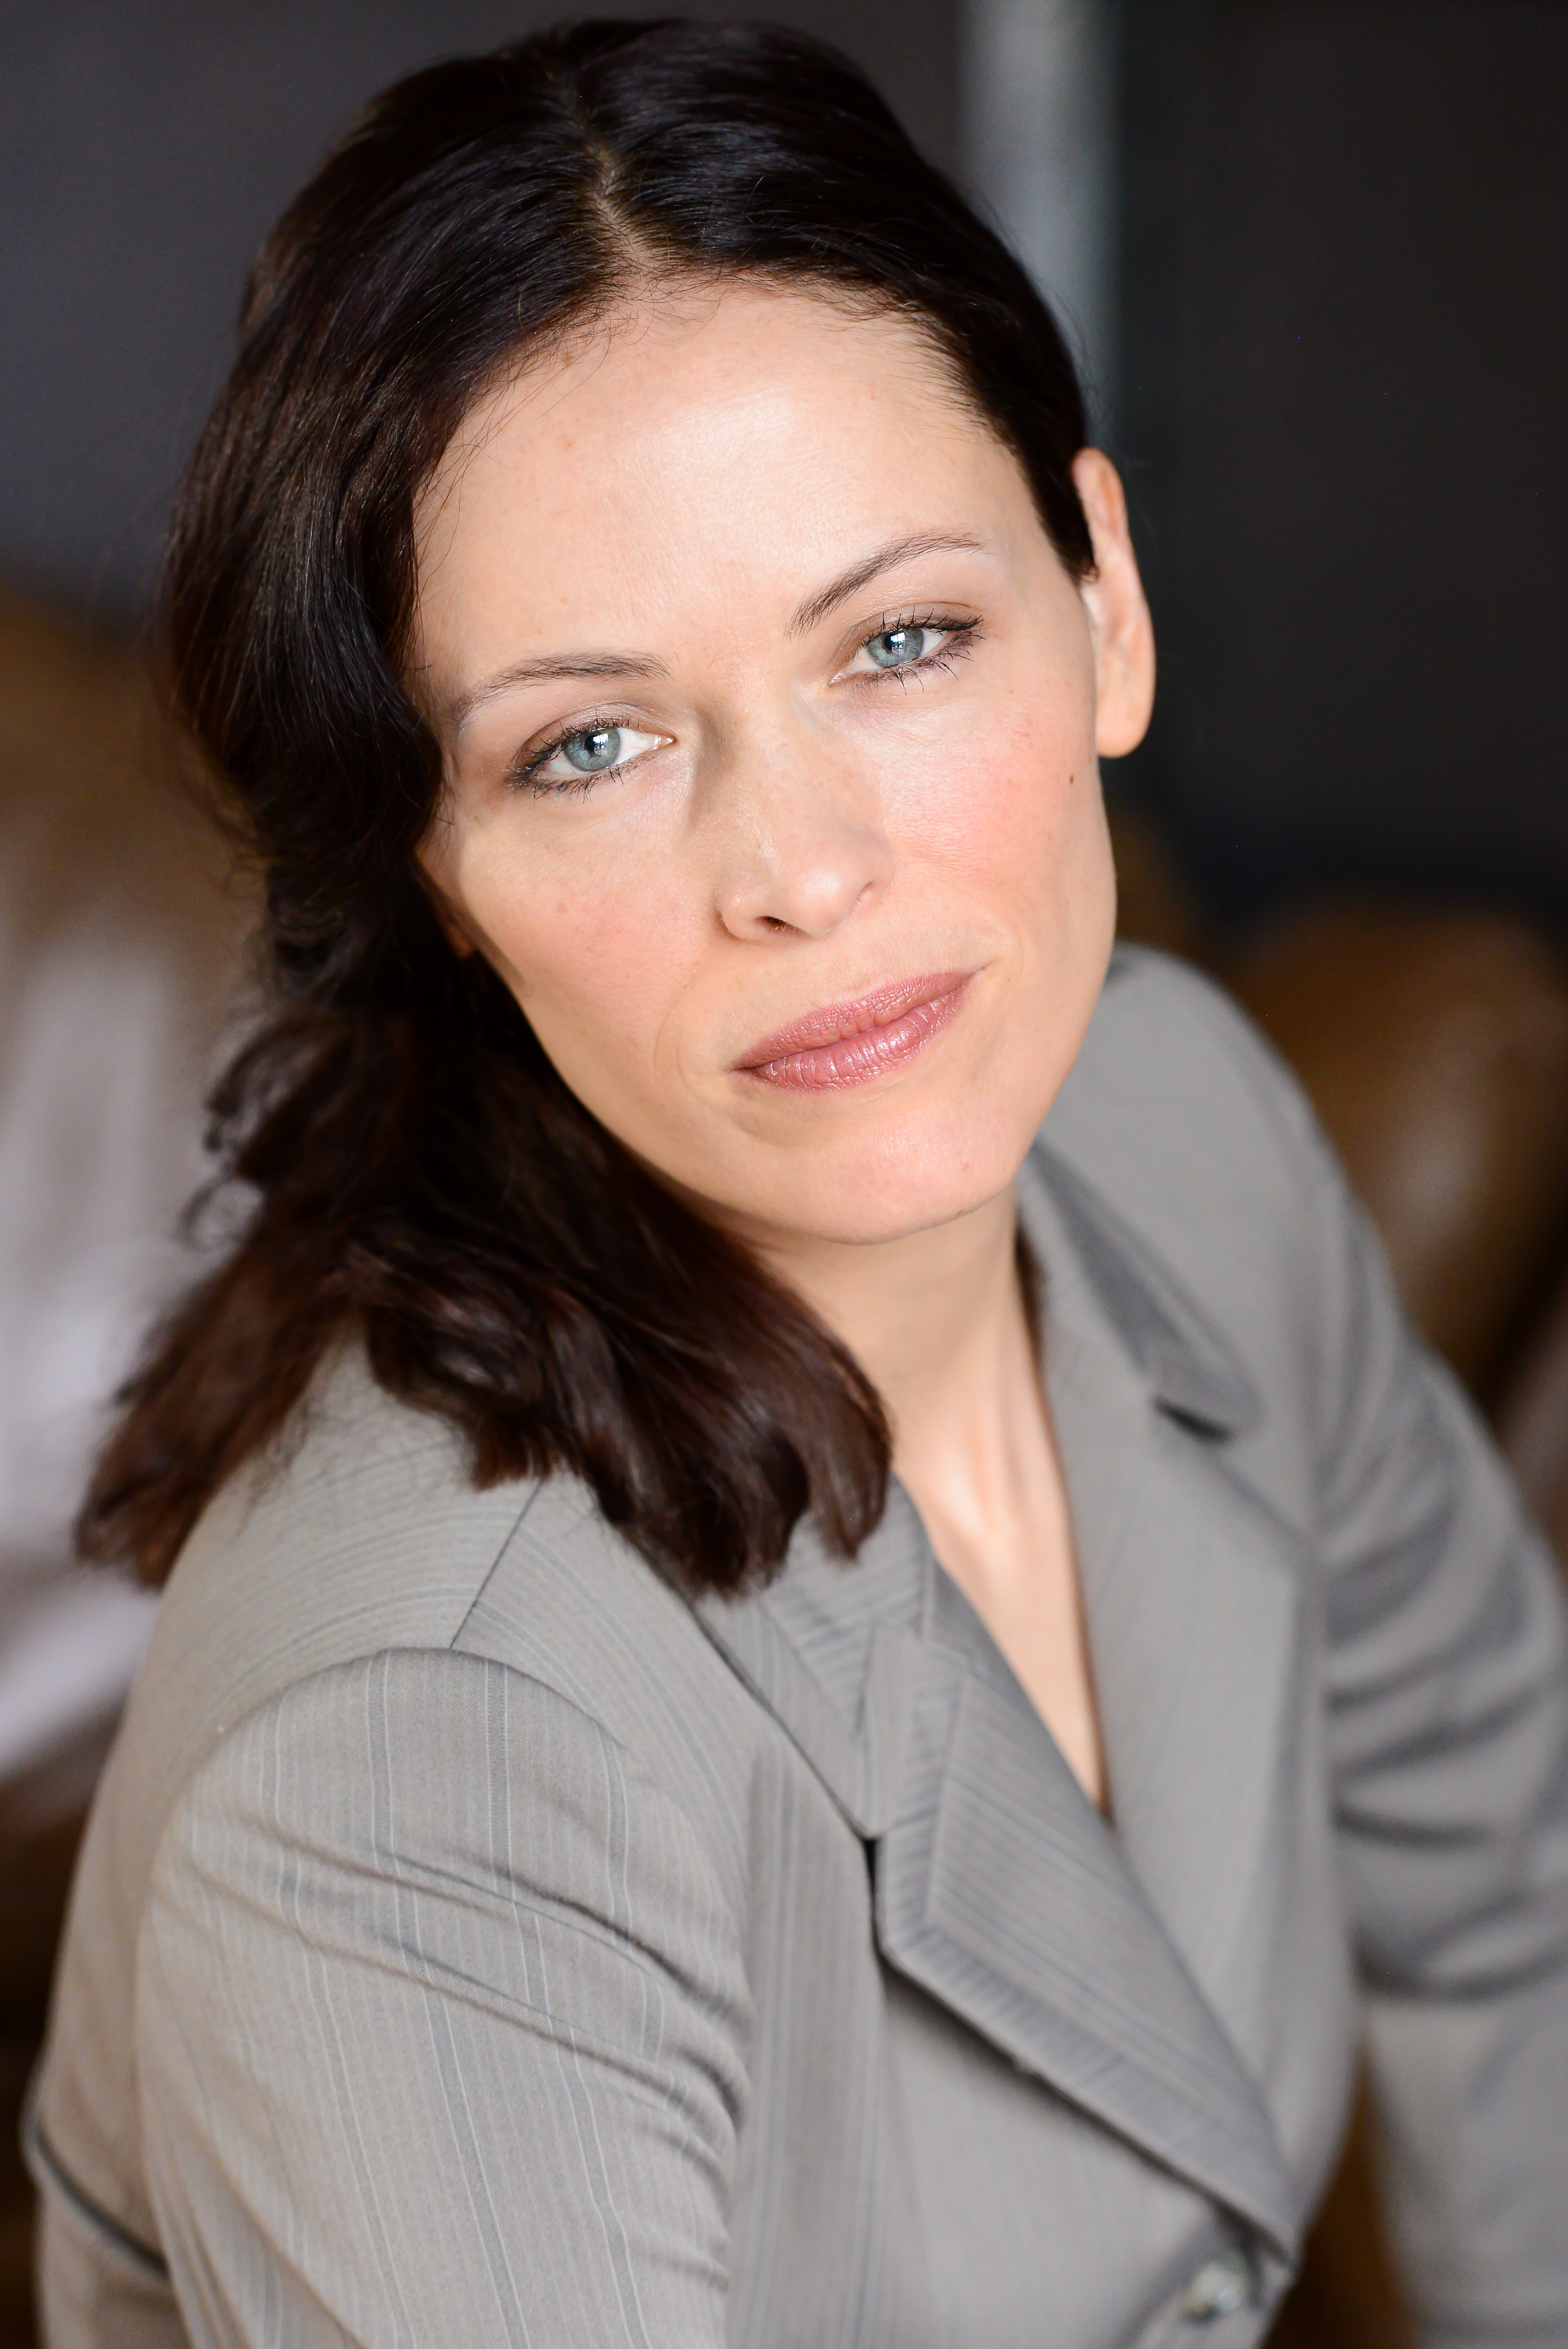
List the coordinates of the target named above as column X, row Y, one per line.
column 709, row 428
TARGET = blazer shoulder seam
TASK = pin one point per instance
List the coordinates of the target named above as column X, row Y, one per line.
column 476, row 1597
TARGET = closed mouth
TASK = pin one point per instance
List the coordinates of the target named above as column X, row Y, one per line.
column 847, row 1043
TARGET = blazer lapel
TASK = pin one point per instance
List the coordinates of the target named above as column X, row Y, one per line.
column 1003, row 1893
column 833, row 1650
column 1192, row 1588
column 1098, row 1958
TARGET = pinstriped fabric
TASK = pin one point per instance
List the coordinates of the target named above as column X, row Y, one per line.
column 99, row 2288
column 287, row 1571
column 976, row 1884
column 475, row 1943
column 444, row 1856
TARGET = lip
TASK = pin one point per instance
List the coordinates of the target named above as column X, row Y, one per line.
column 849, row 1043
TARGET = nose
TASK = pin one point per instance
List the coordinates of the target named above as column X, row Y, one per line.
column 802, row 851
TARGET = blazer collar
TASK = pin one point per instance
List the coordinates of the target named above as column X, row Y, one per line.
column 1108, row 1280
column 1098, row 1958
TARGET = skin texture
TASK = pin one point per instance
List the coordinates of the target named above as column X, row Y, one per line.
column 680, row 505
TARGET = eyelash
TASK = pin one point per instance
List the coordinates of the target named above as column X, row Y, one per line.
column 962, row 637
column 523, row 772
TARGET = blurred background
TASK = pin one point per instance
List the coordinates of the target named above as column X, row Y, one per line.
column 1311, row 253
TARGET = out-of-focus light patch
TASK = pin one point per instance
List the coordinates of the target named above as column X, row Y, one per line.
column 67, row 1660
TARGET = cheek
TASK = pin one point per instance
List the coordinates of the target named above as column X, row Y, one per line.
column 1012, row 801
column 593, row 948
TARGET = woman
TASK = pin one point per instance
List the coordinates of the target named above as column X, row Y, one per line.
column 684, row 1791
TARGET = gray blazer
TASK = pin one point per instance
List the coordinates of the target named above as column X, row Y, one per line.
column 475, row 1943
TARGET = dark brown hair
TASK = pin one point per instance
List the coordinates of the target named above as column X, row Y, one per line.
column 416, row 1175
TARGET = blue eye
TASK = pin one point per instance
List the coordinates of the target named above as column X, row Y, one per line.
column 577, row 759
column 596, row 748
column 896, row 648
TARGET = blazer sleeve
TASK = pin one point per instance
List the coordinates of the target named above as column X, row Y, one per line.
column 1447, row 1710
column 441, row 2027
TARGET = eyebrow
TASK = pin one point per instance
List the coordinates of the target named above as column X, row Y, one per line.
column 565, row 667
column 860, row 575
column 560, row 667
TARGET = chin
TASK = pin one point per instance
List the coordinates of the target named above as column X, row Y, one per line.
column 911, row 1184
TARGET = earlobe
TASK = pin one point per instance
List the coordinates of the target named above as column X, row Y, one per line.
column 1119, row 614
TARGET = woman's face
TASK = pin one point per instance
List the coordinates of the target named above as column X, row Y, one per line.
column 770, row 720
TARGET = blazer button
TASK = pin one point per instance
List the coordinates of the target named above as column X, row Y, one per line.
column 1221, row 2286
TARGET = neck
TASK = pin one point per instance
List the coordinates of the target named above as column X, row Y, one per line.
column 937, row 1321
column 934, row 1320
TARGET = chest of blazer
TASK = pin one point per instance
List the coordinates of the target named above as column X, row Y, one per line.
column 862, row 2024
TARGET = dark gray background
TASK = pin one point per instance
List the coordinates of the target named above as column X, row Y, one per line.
column 1345, row 404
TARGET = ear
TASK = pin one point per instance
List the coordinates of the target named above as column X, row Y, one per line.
column 1118, row 614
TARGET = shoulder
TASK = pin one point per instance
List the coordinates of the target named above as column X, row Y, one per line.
column 362, row 1662
column 367, row 1538
column 1168, row 1053
column 1181, row 1120
column 1181, row 1116
column 362, row 1530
